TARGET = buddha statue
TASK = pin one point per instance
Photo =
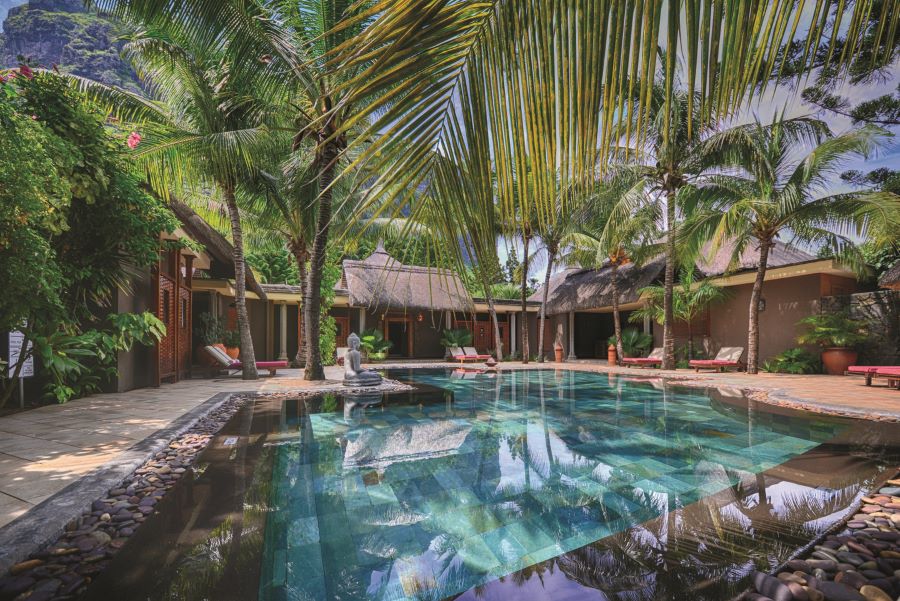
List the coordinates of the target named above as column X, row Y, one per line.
column 354, row 374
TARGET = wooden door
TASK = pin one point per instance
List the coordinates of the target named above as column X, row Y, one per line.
column 399, row 330
column 343, row 330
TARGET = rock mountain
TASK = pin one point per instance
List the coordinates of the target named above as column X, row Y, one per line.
column 64, row 34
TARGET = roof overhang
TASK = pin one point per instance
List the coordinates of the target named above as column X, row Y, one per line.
column 817, row 267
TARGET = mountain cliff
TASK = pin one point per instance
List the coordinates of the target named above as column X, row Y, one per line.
column 64, row 34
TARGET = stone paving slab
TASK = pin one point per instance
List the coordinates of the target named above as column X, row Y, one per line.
column 46, row 449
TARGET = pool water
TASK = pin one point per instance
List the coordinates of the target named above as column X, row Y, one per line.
column 532, row 484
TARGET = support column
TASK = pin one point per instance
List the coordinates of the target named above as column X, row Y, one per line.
column 362, row 320
column 513, row 335
column 646, row 324
column 572, row 336
column 448, row 320
column 282, row 339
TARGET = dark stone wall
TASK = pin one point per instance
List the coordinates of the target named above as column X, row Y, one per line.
column 880, row 310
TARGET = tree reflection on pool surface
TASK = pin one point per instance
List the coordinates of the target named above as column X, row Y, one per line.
column 532, row 485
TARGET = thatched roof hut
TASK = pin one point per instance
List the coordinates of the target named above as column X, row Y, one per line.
column 586, row 289
column 215, row 243
column 381, row 282
column 891, row 277
column 720, row 263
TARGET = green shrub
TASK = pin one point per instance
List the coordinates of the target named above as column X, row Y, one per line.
column 374, row 344
column 634, row 342
column 794, row 361
column 231, row 339
column 209, row 329
column 456, row 338
column 830, row 330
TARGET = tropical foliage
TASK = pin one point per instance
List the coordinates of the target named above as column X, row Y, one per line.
column 794, row 361
column 832, row 330
column 689, row 300
column 771, row 191
column 74, row 223
column 633, row 342
column 456, row 338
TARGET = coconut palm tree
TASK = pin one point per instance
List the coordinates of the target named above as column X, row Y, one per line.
column 553, row 92
column 206, row 130
column 690, row 299
column 613, row 225
column 285, row 47
column 771, row 191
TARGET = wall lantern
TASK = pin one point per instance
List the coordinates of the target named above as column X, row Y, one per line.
column 420, row 317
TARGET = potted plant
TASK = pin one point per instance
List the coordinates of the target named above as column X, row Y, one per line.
column 837, row 334
column 374, row 345
column 456, row 338
column 209, row 332
column 634, row 342
column 558, row 351
column 232, row 341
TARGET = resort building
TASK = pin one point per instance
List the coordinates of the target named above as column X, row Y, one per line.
column 580, row 300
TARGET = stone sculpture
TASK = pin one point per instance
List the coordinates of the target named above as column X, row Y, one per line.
column 354, row 374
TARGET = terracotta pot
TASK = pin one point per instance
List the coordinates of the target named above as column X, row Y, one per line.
column 558, row 354
column 837, row 360
column 233, row 352
column 611, row 355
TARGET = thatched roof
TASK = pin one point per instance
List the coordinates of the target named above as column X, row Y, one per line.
column 585, row 289
column 382, row 282
column 215, row 243
column 720, row 263
column 891, row 277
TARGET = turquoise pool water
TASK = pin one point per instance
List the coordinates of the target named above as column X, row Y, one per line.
column 481, row 480
column 532, row 486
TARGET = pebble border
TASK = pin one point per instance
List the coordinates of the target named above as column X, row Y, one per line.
column 860, row 563
column 62, row 570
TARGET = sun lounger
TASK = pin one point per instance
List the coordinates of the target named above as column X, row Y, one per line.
column 864, row 370
column 472, row 353
column 651, row 360
column 233, row 364
column 728, row 356
column 891, row 374
column 458, row 354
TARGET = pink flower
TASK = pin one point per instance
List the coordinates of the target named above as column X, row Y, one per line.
column 26, row 71
column 133, row 140
column 34, row 118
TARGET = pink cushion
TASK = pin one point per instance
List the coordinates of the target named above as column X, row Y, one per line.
column 263, row 364
column 864, row 369
column 888, row 371
column 712, row 362
column 641, row 360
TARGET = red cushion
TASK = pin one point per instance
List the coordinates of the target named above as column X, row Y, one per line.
column 641, row 360
column 263, row 364
column 888, row 370
column 863, row 369
column 713, row 362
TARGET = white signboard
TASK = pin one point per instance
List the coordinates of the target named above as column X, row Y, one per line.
column 15, row 348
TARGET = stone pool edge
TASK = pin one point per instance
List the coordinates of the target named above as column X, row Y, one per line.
column 45, row 522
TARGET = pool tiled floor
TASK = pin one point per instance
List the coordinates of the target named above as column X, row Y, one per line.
column 425, row 501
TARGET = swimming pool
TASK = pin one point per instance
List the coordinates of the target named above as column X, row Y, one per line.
column 539, row 484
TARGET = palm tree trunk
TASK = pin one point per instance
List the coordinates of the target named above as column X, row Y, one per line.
column 498, row 341
column 327, row 161
column 550, row 258
column 668, row 310
column 617, row 319
column 526, row 353
column 248, row 356
column 300, row 256
column 690, row 329
column 753, row 335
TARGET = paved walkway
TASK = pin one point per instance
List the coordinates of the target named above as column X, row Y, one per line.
column 43, row 450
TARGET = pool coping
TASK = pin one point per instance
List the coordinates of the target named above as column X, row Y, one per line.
column 46, row 521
